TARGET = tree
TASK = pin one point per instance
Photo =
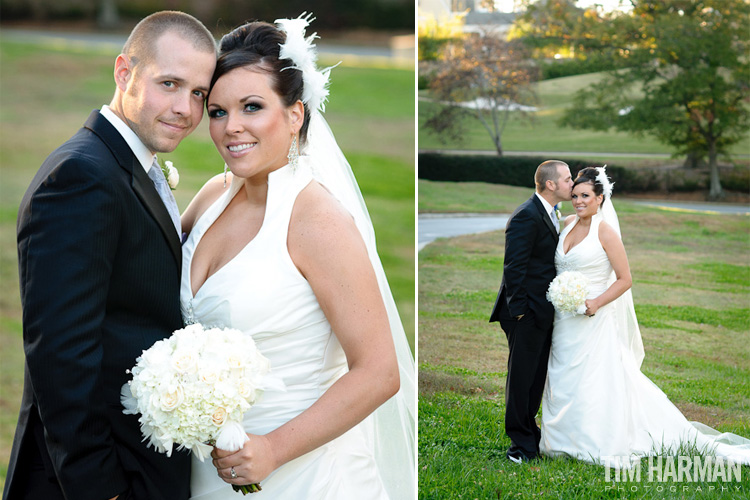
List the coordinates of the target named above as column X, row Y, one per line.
column 484, row 77
column 683, row 75
column 108, row 18
column 435, row 32
column 487, row 5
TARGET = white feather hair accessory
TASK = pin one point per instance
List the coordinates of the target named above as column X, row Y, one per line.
column 301, row 51
column 602, row 178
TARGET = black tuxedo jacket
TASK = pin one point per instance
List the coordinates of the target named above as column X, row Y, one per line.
column 100, row 263
column 529, row 264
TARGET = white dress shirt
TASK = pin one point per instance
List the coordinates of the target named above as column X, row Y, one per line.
column 548, row 208
column 145, row 157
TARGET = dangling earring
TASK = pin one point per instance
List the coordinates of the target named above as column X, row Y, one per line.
column 225, row 174
column 293, row 155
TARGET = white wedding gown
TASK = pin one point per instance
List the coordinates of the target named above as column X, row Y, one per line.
column 261, row 293
column 597, row 403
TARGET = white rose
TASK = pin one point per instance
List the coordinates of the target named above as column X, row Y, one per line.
column 219, row 416
column 209, row 375
column 171, row 400
column 185, row 361
column 173, row 176
column 235, row 360
column 245, row 388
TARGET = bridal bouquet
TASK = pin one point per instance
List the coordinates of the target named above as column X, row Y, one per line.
column 193, row 388
column 568, row 292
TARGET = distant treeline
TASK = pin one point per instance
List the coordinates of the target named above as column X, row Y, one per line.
column 519, row 171
column 222, row 15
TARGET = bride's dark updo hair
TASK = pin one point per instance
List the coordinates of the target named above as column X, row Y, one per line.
column 588, row 175
column 257, row 44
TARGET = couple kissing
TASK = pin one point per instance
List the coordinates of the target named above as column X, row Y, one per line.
column 582, row 367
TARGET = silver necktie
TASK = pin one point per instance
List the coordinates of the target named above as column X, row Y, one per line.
column 165, row 193
column 555, row 220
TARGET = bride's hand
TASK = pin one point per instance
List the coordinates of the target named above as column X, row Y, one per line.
column 591, row 307
column 252, row 463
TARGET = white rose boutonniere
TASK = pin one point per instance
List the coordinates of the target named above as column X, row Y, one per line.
column 171, row 174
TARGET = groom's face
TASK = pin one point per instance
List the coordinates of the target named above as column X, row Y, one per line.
column 564, row 183
column 163, row 96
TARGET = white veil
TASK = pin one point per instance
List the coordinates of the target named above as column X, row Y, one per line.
column 391, row 427
column 623, row 305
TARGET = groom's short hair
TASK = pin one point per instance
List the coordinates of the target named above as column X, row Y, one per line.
column 139, row 46
column 547, row 171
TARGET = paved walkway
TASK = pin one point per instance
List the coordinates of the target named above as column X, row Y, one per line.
column 433, row 226
column 551, row 154
column 376, row 55
column 697, row 206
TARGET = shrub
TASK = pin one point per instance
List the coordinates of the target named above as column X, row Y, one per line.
column 519, row 170
column 736, row 178
column 430, row 47
column 557, row 68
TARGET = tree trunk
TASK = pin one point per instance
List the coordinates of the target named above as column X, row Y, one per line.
column 108, row 17
column 38, row 10
column 203, row 9
column 715, row 192
column 498, row 145
column 694, row 160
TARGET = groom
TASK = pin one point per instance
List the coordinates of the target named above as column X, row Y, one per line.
column 522, row 308
column 100, row 261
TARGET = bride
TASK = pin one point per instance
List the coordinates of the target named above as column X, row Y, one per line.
column 283, row 249
column 597, row 405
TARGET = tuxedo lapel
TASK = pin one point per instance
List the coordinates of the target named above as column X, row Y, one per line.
column 145, row 190
column 545, row 217
column 142, row 185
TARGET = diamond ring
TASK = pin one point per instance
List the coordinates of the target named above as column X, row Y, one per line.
column 232, row 473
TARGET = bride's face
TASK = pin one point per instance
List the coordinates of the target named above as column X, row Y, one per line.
column 585, row 201
column 249, row 123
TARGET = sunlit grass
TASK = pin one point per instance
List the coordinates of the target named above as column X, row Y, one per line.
column 543, row 133
column 693, row 308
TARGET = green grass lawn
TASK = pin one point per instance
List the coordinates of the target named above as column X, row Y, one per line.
column 471, row 197
column 48, row 93
column 543, row 133
column 691, row 286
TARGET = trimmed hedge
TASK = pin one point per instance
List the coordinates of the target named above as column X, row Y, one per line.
column 571, row 67
column 519, row 171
